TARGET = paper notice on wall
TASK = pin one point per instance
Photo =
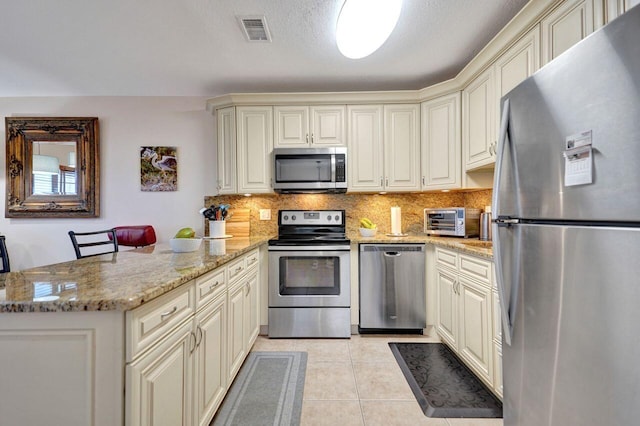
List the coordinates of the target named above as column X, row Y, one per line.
column 578, row 160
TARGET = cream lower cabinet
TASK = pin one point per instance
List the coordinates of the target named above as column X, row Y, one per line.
column 181, row 373
column 464, row 309
column 244, row 322
column 159, row 382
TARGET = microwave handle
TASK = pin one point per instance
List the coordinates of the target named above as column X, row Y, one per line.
column 333, row 168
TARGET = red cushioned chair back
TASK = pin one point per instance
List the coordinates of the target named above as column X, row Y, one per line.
column 135, row 236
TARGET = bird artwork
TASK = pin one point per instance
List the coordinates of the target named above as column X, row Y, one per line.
column 158, row 168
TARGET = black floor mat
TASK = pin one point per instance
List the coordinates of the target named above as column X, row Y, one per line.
column 442, row 384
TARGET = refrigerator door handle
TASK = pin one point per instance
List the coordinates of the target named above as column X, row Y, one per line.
column 507, row 315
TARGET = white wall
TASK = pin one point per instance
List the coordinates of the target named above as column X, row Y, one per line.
column 126, row 124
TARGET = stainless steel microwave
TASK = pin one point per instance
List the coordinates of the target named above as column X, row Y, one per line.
column 452, row 222
column 301, row 170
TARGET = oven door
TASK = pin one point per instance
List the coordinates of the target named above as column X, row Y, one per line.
column 309, row 277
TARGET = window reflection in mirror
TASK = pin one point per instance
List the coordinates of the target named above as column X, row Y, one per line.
column 54, row 168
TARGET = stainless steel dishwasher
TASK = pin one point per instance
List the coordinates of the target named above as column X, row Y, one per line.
column 392, row 288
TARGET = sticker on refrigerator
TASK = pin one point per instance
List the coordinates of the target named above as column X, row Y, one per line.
column 578, row 159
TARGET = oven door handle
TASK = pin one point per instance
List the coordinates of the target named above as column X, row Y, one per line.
column 318, row 248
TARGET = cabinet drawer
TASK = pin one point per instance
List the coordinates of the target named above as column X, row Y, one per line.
column 148, row 323
column 447, row 258
column 252, row 259
column 236, row 268
column 209, row 286
column 476, row 268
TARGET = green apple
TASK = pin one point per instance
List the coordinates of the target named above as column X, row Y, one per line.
column 186, row 233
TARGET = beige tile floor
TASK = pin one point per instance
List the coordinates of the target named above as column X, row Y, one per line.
column 357, row 381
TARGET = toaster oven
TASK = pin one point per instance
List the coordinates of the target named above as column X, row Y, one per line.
column 452, row 222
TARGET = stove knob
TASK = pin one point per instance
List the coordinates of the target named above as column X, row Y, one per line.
column 286, row 217
column 293, row 217
column 337, row 218
column 328, row 217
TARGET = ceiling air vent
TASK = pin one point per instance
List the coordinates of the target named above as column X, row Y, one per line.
column 255, row 28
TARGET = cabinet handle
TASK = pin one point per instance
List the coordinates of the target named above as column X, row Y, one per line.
column 423, row 179
column 191, row 349
column 238, row 269
column 248, row 288
column 212, row 286
column 201, row 334
column 168, row 313
column 381, row 181
column 252, row 261
column 307, row 137
column 311, row 137
column 387, row 181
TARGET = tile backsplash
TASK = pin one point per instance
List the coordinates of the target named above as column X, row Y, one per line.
column 376, row 207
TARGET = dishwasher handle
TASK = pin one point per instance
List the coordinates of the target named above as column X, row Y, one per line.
column 391, row 253
column 392, row 248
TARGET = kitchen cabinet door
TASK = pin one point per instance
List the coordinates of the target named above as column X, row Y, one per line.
column 402, row 147
column 441, row 143
column 447, row 306
column 615, row 8
column 210, row 372
column 251, row 309
column 516, row 64
column 236, row 329
column 226, row 149
column 566, row 25
column 160, row 382
column 366, row 154
column 291, row 127
column 474, row 342
column 328, row 126
column 255, row 145
column 478, row 133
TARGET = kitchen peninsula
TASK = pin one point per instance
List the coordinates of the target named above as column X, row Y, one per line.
column 170, row 329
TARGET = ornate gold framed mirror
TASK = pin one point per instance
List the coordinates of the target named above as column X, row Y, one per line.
column 52, row 167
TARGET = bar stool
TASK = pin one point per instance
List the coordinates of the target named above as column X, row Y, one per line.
column 4, row 255
column 135, row 235
column 93, row 239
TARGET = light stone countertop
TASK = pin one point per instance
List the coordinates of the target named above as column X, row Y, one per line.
column 125, row 280
column 119, row 281
column 471, row 246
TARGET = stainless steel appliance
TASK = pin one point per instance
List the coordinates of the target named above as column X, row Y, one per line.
column 452, row 222
column 301, row 170
column 392, row 288
column 566, row 235
column 309, row 275
column 485, row 226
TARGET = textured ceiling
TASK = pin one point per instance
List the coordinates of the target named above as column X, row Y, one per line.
column 197, row 48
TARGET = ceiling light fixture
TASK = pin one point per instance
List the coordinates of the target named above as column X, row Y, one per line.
column 364, row 25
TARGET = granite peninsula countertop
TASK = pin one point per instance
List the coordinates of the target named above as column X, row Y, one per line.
column 120, row 281
column 472, row 246
column 125, row 280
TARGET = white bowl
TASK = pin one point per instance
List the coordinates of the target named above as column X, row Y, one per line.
column 368, row 232
column 184, row 245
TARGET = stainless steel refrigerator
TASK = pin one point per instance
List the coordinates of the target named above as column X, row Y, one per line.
column 567, row 235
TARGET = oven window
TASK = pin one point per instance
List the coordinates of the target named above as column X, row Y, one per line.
column 309, row 275
column 307, row 168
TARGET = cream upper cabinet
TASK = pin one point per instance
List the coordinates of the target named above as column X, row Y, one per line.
column 366, row 154
column 316, row 126
column 615, row 8
column 478, row 127
column 569, row 23
column 255, row 144
column 402, row 147
column 519, row 62
column 441, row 143
column 226, row 131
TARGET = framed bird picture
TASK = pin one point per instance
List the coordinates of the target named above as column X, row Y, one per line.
column 158, row 168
